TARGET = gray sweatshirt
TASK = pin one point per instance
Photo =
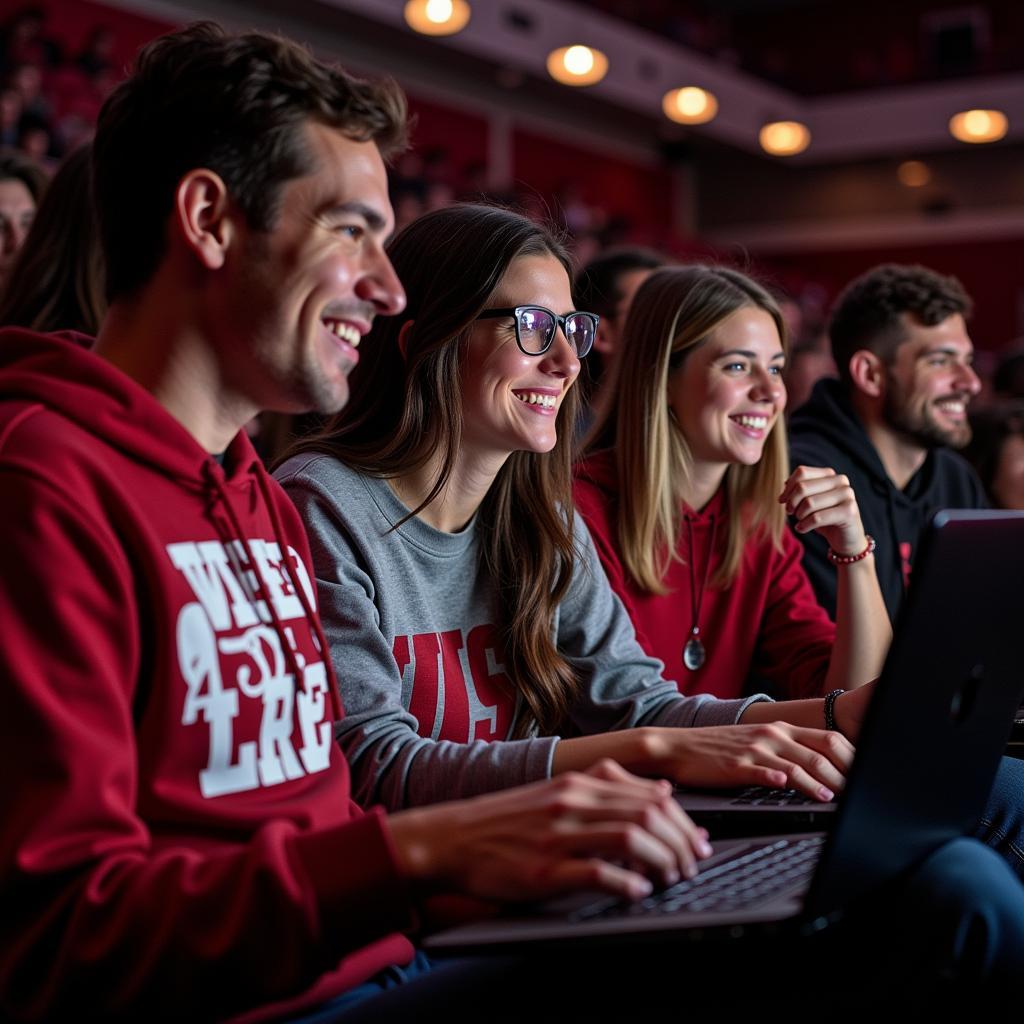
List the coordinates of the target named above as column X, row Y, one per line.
column 409, row 615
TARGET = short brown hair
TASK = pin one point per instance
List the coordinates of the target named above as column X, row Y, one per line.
column 867, row 313
column 235, row 104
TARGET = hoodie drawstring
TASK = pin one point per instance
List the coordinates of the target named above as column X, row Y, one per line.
column 311, row 616
column 214, row 477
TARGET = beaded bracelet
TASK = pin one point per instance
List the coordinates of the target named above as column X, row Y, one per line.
column 830, row 709
column 837, row 559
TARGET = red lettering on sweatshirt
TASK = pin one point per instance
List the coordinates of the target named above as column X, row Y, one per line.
column 905, row 550
column 492, row 687
column 441, row 700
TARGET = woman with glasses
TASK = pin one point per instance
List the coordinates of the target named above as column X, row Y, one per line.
column 688, row 509
column 476, row 640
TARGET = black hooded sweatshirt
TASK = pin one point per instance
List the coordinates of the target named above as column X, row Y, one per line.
column 827, row 432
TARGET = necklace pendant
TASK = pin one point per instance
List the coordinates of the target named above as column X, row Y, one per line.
column 693, row 653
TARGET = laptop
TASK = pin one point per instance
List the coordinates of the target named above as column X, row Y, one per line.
column 927, row 755
column 753, row 809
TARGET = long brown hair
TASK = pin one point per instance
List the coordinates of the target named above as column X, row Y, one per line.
column 57, row 279
column 673, row 312
column 406, row 410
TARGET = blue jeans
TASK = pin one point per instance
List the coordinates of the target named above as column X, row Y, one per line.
column 950, row 934
column 1002, row 824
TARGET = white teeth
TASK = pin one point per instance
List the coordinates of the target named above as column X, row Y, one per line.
column 954, row 406
column 753, row 422
column 533, row 398
column 344, row 331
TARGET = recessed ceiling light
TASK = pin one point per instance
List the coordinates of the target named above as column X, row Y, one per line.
column 690, row 105
column 437, row 17
column 784, row 138
column 577, row 65
column 913, row 173
column 978, row 125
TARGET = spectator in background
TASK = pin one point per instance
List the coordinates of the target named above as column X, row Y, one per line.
column 889, row 424
column 56, row 283
column 1008, row 380
column 21, row 187
column 27, row 80
column 810, row 360
column 997, row 452
column 97, row 56
column 10, row 116
column 606, row 286
column 23, row 41
column 35, row 140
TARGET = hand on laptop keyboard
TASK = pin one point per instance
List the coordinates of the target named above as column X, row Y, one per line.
column 778, row 754
column 601, row 829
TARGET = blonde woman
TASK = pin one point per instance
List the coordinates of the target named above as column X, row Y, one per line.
column 688, row 510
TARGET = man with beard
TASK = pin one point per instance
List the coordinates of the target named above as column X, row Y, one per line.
column 900, row 342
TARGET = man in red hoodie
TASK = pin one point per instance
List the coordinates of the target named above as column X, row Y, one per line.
column 177, row 835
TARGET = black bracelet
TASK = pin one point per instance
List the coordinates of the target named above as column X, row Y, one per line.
column 830, row 709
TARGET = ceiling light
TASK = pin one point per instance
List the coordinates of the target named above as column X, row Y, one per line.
column 913, row 173
column 437, row 17
column 978, row 125
column 784, row 138
column 689, row 105
column 577, row 65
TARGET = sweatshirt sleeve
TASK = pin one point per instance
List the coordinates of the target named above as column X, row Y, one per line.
column 391, row 763
column 796, row 638
column 100, row 917
column 621, row 687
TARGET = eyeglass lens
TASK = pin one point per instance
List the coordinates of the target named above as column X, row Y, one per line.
column 537, row 328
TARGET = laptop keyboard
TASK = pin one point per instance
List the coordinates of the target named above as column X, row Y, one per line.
column 744, row 880
column 765, row 796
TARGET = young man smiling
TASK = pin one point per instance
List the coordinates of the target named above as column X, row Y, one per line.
column 900, row 341
column 177, row 837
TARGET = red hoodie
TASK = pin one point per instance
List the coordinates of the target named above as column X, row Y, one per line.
column 176, row 833
column 766, row 621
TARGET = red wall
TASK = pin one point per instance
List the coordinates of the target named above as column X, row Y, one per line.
column 991, row 271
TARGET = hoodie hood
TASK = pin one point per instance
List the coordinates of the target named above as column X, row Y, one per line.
column 829, row 416
column 57, row 371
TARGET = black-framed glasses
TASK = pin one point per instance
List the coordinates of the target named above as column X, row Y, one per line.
column 536, row 326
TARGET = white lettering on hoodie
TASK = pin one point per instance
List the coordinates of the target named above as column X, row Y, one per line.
column 225, row 587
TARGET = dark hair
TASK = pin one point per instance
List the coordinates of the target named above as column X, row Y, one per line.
column 56, row 282
column 867, row 313
column 15, row 166
column 598, row 289
column 990, row 429
column 405, row 409
column 235, row 104
column 1008, row 379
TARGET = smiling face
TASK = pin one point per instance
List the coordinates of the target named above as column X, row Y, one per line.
column 512, row 400
column 303, row 294
column 930, row 382
column 728, row 393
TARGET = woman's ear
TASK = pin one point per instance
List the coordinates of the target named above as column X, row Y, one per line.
column 403, row 338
